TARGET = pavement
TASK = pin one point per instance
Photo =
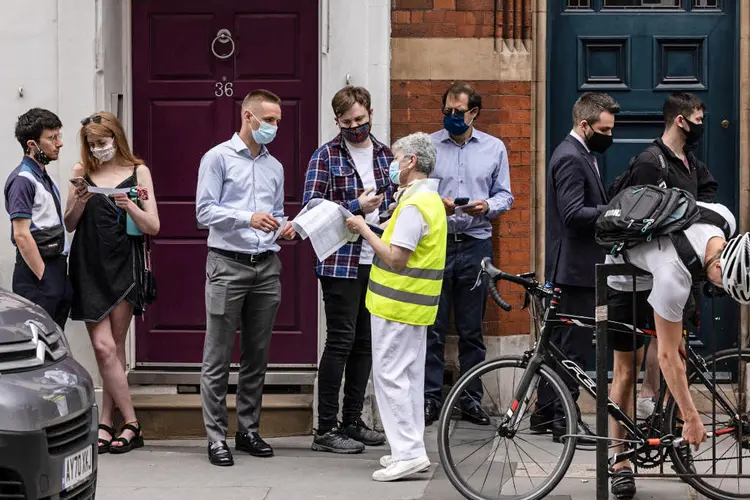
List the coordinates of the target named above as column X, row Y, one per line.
column 179, row 470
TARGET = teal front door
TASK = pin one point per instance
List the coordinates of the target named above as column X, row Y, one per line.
column 639, row 51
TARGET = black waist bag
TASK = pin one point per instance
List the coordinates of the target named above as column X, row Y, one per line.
column 50, row 242
column 637, row 214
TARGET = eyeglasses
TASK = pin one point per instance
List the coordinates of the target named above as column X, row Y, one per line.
column 94, row 118
column 55, row 138
column 458, row 112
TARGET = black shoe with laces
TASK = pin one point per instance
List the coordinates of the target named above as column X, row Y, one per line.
column 359, row 431
column 335, row 441
column 623, row 483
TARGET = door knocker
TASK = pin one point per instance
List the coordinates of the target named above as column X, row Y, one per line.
column 223, row 36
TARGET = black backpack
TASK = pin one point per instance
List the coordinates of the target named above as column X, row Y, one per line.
column 624, row 179
column 639, row 213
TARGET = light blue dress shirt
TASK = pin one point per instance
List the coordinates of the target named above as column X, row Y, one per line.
column 479, row 170
column 232, row 185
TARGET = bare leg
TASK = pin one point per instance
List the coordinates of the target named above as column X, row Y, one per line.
column 110, row 366
column 652, row 375
column 622, row 392
column 119, row 334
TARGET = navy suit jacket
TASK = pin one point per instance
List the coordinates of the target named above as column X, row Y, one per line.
column 575, row 198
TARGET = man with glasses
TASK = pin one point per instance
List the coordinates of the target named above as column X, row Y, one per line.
column 33, row 202
column 475, row 187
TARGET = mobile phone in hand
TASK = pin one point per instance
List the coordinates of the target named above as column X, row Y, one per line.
column 79, row 182
column 381, row 190
column 459, row 202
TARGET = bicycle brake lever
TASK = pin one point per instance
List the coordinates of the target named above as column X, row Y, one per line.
column 526, row 300
column 479, row 279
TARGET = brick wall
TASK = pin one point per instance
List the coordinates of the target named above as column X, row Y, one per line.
column 462, row 19
column 506, row 113
column 416, row 103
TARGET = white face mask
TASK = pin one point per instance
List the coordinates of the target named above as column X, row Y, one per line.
column 104, row 153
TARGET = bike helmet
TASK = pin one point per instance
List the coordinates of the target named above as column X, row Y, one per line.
column 735, row 268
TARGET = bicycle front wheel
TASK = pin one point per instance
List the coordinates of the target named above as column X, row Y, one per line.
column 489, row 462
column 720, row 469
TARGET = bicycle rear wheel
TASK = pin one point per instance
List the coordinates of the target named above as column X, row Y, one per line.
column 488, row 462
column 728, row 453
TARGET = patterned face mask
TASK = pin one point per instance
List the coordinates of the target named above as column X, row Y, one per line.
column 105, row 153
column 355, row 135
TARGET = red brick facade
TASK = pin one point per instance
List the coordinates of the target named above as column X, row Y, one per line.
column 461, row 19
column 506, row 113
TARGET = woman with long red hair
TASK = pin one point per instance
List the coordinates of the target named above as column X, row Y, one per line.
column 106, row 261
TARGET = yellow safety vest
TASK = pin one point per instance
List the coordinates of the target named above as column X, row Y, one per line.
column 412, row 295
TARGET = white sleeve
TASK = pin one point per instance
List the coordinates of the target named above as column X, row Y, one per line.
column 409, row 229
column 671, row 291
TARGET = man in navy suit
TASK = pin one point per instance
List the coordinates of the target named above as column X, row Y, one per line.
column 575, row 198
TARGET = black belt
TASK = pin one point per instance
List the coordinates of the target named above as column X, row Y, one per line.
column 460, row 237
column 247, row 258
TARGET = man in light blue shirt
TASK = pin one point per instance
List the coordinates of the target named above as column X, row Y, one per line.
column 475, row 186
column 240, row 197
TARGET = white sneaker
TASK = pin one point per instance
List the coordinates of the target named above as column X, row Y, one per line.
column 644, row 408
column 400, row 469
column 387, row 460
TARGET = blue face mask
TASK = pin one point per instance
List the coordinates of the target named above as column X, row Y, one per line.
column 455, row 124
column 265, row 133
column 394, row 172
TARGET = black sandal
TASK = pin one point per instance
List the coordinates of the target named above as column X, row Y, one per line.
column 103, row 443
column 128, row 444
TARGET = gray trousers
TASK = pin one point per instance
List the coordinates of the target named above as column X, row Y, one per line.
column 250, row 293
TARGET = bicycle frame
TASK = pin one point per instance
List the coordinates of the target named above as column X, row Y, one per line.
column 547, row 352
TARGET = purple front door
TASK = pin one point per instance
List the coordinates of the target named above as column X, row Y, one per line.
column 193, row 63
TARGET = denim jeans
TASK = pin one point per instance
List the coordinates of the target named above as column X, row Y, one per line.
column 462, row 265
column 348, row 350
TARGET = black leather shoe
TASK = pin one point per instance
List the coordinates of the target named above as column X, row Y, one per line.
column 252, row 443
column 540, row 423
column 476, row 415
column 219, row 454
column 431, row 412
column 558, row 430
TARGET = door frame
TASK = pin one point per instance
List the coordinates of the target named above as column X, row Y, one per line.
column 334, row 71
column 540, row 126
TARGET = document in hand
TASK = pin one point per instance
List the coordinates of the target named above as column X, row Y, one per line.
column 324, row 222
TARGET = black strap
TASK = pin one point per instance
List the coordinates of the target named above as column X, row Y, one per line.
column 55, row 196
column 685, row 250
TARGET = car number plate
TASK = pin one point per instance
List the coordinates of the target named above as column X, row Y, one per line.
column 77, row 468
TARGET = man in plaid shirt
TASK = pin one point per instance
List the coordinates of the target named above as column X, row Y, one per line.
column 349, row 170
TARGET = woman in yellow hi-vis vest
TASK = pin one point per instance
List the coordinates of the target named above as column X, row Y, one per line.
column 402, row 297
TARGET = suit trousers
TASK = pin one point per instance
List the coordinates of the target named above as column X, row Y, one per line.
column 574, row 341
column 251, row 294
column 398, row 354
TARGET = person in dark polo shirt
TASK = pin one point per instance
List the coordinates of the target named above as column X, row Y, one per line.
column 33, row 202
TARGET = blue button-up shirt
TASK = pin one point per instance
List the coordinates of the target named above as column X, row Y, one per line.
column 479, row 170
column 232, row 185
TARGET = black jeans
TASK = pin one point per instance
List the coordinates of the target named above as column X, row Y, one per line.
column 348, row 350
column 462, row 265
column 574, row 341
column 53, row 292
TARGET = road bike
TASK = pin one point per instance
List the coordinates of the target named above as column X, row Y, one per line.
column 535, row 464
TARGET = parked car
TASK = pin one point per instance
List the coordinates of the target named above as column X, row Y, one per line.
column 48, row 412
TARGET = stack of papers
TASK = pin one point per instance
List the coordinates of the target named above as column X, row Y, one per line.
column 324, row 222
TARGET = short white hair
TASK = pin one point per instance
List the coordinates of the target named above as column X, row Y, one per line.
column 420, row 146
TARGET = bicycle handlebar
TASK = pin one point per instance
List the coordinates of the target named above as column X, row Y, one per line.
column 496, row 275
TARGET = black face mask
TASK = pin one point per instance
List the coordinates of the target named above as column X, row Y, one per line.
column 41, row 156
column 692, row 136
column 598, row 142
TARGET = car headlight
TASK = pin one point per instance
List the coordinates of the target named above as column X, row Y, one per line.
column 41, row 348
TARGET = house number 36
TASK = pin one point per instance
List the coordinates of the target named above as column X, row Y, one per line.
column 224, row 88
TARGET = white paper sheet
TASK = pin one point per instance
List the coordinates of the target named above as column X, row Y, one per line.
column 282, row 223
column 108, row 191
column 324, row 222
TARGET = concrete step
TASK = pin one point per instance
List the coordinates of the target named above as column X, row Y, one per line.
column 179, row 416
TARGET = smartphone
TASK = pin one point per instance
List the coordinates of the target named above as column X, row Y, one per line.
column 459, row 202
column 376, row 229
column 79, row 182
column 382, row 189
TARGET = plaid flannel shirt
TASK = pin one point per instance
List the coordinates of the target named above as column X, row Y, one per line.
column 331, row 175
